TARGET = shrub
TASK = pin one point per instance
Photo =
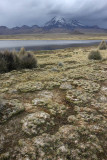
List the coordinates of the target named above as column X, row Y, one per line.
column 22, row 51
column 28, row 61
column 95, row 55
column 3, row 66
column 13, row 61
column 103, row 45
column 6, row 61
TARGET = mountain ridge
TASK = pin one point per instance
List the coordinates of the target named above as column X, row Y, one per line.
column 56, row 24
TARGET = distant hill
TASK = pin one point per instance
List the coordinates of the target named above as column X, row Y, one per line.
column 55, row 25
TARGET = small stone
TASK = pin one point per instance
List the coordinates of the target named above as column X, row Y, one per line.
column 66, row 86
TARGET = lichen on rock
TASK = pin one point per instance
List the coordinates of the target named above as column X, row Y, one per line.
column 37, row 123
column 9, row 108
column 65, row 86
column 51, row 85
column 78, row 97
column 30, row 87
column 87, row 85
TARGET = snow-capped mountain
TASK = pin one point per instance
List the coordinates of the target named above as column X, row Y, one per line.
column 60, row 22
column 56, row 22
column 55, row 25
column 75, row 23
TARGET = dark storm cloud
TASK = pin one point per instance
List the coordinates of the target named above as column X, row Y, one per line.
column 29, row 12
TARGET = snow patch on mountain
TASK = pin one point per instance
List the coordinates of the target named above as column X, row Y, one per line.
column 58, row 21
column 61, row 22
column 75, row 23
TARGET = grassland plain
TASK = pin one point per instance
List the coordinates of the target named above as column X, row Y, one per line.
column 56, row 36
column 57, row 111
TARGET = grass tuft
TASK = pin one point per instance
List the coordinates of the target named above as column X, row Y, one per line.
column 94, row 55
column 103, row 45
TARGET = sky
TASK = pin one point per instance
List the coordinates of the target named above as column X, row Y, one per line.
column 31, row 12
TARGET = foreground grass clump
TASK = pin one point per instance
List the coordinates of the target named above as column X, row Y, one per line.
column 94, row 55
column 103, row 45
column 13, row 61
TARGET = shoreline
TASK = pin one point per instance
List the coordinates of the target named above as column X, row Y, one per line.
column 51, row 47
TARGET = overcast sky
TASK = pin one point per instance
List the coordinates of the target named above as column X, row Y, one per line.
column 31, row 12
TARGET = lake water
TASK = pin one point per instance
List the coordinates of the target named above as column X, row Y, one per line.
column 44, row 44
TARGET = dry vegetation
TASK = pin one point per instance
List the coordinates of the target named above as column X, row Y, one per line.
column 103, row 45
column 56, row 111
column 95, row 55
column 16, row 61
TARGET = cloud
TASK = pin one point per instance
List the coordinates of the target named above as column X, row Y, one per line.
column 30, row 12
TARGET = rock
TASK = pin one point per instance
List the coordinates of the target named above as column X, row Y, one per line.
column 37, row 123
column 55, row 70
column 9, row 108
column 30, row 87
column 40, row 102
column 4, row 90
column 43, row 140
column 65, row 131
column 49, row 147
column 63, row 150
column 45, row 94
column 51, row 85
column 78, row 97
column 43, row 98
column 87, row 85
column 89, row 117
column 101, row 107
column 55, row 108
column 5, row 156
column 60, row 64
column 43, row 147
column 72, row 119
column 66, row 86
column 26, row 150
column 104, row 90
column 103, row 98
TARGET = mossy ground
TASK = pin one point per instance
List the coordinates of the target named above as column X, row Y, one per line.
column 74, row 96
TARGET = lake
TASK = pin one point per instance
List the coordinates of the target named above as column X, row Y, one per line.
column 44, row 44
